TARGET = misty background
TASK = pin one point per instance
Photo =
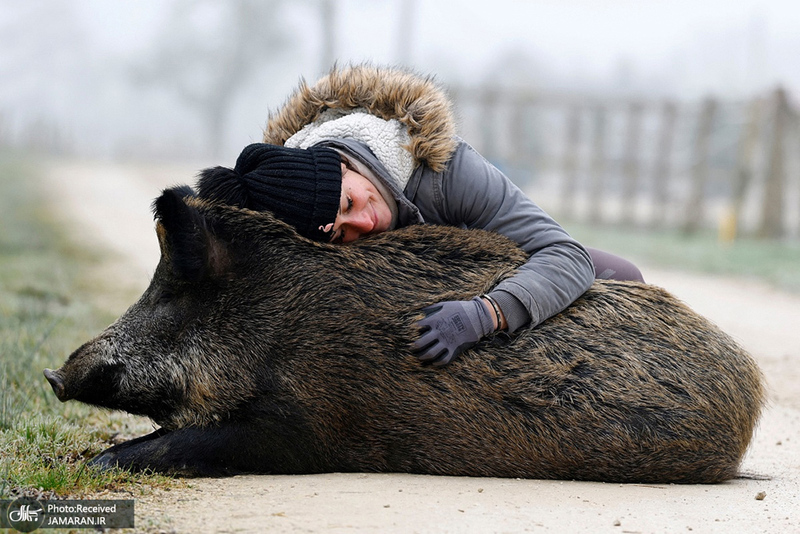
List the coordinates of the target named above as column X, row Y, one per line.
column 558, row 93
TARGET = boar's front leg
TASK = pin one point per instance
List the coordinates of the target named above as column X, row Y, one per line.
column 218, row 451
column 186, row 452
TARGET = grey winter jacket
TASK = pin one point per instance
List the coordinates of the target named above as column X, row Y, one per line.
column 471, row 193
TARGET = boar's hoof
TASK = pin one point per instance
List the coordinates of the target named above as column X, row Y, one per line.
column 104, row 461
column 57, row 384
column 135, row 454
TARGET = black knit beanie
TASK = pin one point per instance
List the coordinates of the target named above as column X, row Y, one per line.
column 302, row 187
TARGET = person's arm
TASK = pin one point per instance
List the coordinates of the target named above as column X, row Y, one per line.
column 474, row 194
column 477, row 195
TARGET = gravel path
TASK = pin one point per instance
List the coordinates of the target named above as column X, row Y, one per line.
column 109, row 207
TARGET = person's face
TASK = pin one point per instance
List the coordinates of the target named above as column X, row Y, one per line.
column 362, row 209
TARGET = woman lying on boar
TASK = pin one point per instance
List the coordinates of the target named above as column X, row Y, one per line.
column 369, row 149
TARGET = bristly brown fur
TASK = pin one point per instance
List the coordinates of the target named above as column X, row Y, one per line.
column 389, row 93
column 271, row 353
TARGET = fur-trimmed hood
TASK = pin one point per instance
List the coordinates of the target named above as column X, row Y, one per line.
column 389, row 93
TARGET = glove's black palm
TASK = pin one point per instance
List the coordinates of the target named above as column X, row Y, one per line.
column 451, row 327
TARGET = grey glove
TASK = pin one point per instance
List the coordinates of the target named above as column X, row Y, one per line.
column 451, row 327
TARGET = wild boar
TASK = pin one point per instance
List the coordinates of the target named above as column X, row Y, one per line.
column 259, row 351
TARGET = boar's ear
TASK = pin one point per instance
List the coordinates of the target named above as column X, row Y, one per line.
column 186, row 238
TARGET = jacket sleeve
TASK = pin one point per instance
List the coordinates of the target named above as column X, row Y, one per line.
column 472, row 193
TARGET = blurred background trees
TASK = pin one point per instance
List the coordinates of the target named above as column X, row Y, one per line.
column 208, row 52
column 653, row 114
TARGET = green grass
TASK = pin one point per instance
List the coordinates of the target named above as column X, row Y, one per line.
column 775, row 262
column 47, row 311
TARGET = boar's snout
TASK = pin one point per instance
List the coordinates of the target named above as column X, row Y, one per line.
column 57, row 383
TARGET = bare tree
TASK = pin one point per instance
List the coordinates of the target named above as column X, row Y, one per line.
column 328, row 52
column 406, row 24
column 43, row 70
column 210, row 50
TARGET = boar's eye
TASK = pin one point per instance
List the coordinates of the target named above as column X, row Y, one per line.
column 165, row 296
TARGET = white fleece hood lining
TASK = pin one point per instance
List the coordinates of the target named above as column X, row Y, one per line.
column 385, row 138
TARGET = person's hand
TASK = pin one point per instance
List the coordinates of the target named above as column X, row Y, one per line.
column 451, row 327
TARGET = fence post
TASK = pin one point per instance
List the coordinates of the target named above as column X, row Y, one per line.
column 630, row 162
column 5, row 140
column 772, row 207
column 695, row 208
column 570, row 164
column 520, row 157
column 744, row 164
column 597, row 176
column 488, row 125
column 794, row 114
column 661, row 172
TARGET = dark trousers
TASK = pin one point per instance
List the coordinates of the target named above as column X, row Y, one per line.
column 610, row 267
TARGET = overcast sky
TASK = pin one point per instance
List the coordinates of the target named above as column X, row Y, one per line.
column 719, row 41
column 703, row 45
column 732, row 48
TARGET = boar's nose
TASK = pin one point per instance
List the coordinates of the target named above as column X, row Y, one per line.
column 57, row 384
